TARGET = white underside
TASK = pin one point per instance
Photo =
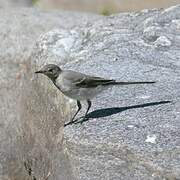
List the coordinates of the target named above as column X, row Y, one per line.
column 84, row 93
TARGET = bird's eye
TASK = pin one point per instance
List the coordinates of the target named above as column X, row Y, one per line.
column 50, row 70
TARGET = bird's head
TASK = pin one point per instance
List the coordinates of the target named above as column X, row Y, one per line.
column 50, row 70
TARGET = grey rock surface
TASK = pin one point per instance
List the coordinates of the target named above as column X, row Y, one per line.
column 132, row 131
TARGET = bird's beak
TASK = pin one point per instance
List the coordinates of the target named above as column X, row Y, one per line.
column 39, row 72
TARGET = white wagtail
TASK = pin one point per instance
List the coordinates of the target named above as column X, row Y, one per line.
column 79, row 86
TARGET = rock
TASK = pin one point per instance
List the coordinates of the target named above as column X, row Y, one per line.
column 112, row 144
column 21, row 126
column 132, row 132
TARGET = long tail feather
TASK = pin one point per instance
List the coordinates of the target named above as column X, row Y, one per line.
column 129, row 83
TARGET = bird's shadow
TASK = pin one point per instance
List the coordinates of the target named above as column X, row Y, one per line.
column 99, row 113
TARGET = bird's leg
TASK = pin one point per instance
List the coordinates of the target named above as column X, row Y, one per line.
column 89, row 106
column 72, row 119
column 84, row 117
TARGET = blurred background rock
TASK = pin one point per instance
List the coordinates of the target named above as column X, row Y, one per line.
column 104, row 6
column 15, row 3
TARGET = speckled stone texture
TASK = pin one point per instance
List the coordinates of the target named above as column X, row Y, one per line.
column 132, row 132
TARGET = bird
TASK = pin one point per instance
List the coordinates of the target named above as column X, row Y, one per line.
column 79, row 86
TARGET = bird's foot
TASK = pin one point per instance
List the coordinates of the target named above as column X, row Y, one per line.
column 77, row 121
column 70, row 122
column 81, row 120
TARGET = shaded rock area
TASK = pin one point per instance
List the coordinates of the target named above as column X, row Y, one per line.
column 132, row 132
column 24, row 147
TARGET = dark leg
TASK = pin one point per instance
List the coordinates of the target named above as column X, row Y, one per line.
column 89, row 106
column 72, row 120
column 79, row 108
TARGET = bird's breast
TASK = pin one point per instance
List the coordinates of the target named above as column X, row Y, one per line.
column 62, row 85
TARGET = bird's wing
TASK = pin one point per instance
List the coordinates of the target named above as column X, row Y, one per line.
column 91, row 81
column 86, row 81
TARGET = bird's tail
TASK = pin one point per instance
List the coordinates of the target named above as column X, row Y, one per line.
column 129, row 83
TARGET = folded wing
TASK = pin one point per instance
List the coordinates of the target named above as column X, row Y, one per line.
column 89, row 82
